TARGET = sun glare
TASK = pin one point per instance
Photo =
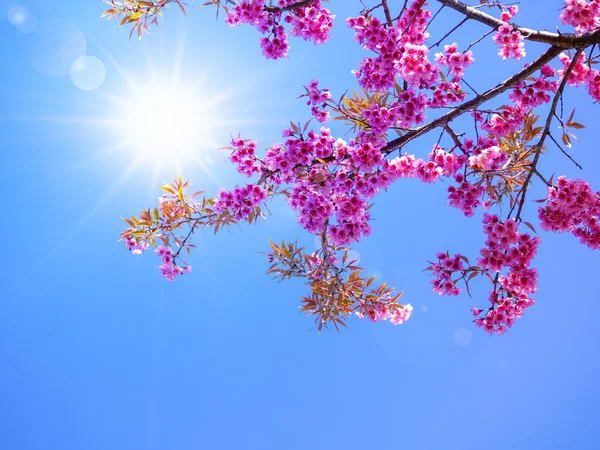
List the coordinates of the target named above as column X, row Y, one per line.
column 166, row 124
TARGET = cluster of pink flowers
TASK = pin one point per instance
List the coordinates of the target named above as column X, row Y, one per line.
column 381, row 311
column 466, row 196
column 530, row 95
column 375, row 73
column 241, row 201
column 365, row 157
column 582, row 73
column 450, row 163
column 443, row 271
column 456, row 61
column 317, row 99
column 410, row 108
column 486, row 155
column 289, row 158
column 440, row 163
column 275, row 46
column 415, row 68
column 509, row 39
column 503, row 122
column 511, row 11
column 400, row 48
column 380, row 118
column 352, row 219
column 243, row 155
column 581, row 14
column 507, row 248
column 137, row 248
column 312, row 22
column 445, row 93
column 313, row 206
column 572, row 206
column 251, row 12
column 507, row 308
column 169, row 269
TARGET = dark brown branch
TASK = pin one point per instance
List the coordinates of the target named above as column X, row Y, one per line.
column 564, row 152
column 546, row 57
column 564, row 41
column 388, row 15
column 450, row 32
column 291, row 7
column 545, row 133
column 454, row 136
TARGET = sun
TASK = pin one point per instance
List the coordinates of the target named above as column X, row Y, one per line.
column 166, row 123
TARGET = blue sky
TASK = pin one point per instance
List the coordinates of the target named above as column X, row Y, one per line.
column 99, row 352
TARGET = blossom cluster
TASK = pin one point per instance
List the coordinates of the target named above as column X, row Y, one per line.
column 582, row 73
column 410, row 108
column 573, row 207
column 400, row 48
column 535, row 93
column 465, row 196
column 506, row 248
column 507, row 120
column 456, row 61
column 508, row 37
column 581, row 14
column 510, row 41
column 241, row 201
column 333, row 195
column 169, row 268
column 135, row 247
column 382, row 311
column 440, row 163
column 486, row 155
column 317, row 99
column 311, row 22
column 443, row 270
column 243, row 155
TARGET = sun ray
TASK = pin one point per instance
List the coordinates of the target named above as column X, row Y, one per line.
column 109, row 57
column 113, row 189
column 179, row 54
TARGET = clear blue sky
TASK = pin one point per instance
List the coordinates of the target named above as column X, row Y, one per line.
column 98, row 352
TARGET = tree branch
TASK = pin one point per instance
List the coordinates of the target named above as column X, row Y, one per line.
column 564, row 41
column 388, row 15
column 546, row 132
column 299, row 4
column 546, row 57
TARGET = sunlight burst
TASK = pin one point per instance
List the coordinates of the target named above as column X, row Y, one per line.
column 166, row 124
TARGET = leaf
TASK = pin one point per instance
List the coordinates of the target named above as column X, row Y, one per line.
column 528, row 225
column 135, row 16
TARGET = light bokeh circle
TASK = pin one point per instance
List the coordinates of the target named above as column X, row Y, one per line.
column 88, row 73
column 353, row 255
column 56, row 46
column 29, row 26
column 463, row 337
column 17, row 15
